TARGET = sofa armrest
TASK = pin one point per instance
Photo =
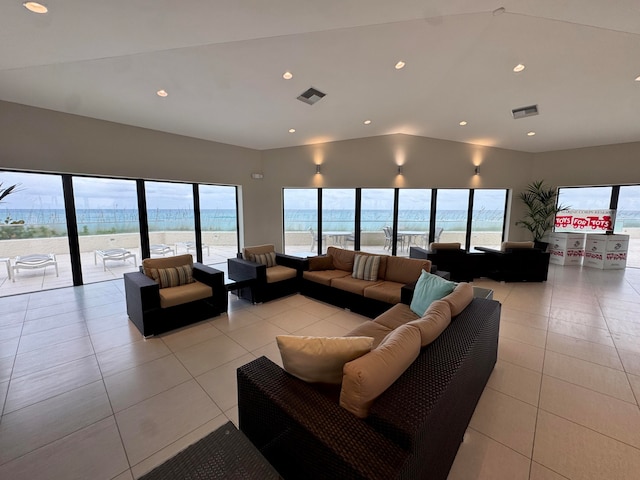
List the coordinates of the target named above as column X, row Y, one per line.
column 142, row 293
column 300, row 264
column 240, row 269
column 207, row 275
column 279, row 413
column 406, row 293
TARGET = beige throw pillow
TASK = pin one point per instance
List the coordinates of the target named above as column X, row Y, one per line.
column 367, row 377
column 172, row 276
column 320, row 359
column 365, row 267
column 432, row 324
column 268, row 259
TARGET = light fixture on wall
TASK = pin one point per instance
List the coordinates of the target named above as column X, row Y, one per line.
column 399, row 169
column 318, row 169
column 477, row 170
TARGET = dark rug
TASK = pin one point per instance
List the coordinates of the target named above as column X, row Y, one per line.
column 225, row 453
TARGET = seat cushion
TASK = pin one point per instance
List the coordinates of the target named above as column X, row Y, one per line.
column 170, row 297
column 280, row 273
column 396, row 316
column 367, row 377
column 371, row 329
column 350, row 284
column 324, row 277
column 386, row 291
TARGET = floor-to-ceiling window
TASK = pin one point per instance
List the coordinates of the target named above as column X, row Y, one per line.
column 300, row 207
column 33, row 234
column 338, row 217
column 628, row 221
column 376, row 219
column 585, row 198
column 108, row 227
column 487, row 223
column 452, row 209
column 219, row 224
column 170, row 216
column 414, row 214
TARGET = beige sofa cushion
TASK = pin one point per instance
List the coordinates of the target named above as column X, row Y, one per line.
column 386, row 291
column 172, row 276
column 248, row 251
column 444, row 246
column 405, row 270
column 324, row 277
column 170, row 297
column 320, row 359
column 460, row 297
column 323, row 262
column 268, row 259
column 342, row 259
column 367, row 377
column 433, row 322
column 365, row 267
column 279, row 273
column 507, row 245
column 350, row 284
column 166, row 262
column 396, row 316
column 371, row 329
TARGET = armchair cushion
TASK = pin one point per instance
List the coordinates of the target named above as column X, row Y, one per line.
column 320, row 359
column 172, row 276
column 258, row 249
column 268, row 259
column 444, row 246
column 279, row 273
column 170, row 297
column 428, row 289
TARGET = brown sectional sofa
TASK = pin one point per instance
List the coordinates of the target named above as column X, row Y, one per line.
column 411, row 430
column 332, row 281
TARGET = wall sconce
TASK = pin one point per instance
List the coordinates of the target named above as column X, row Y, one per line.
column 477, row 170
column 318, row 169
column 399, row 169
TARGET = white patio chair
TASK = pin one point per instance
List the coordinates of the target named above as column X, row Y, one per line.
column 113, row 254
column 36, row 260
column 161, row 249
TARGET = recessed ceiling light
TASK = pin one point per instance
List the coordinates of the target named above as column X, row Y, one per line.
column 498, row 11
column 518, row 68
column 462, row 123
column 287, row 75
column 531, row 134
column 367, row 122
column 292, row 130
column 400, row 65
column 35, row 7
column 162, row 93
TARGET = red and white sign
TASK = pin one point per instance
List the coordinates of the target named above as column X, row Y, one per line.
column 585, row 220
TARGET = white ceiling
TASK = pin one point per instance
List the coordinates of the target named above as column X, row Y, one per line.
column 222, row 63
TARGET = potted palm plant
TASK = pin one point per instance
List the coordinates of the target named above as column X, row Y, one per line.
column 541, row 210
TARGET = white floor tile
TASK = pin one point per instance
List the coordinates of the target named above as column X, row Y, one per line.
column 127, row 356
column 47, row 357
column 521, row 354
column 257, row 335
column 156, row 423
column 207, row 355
column 592, row 352
column 516, row 381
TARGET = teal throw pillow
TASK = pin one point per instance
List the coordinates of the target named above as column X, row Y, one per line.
column 429, row 288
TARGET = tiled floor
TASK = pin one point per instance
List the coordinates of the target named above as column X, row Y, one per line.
column 83, row 395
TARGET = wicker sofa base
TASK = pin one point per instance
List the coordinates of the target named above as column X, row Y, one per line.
column 414, row 428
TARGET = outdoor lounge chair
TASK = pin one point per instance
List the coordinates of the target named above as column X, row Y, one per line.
column 36, row 260
column 113, row 254
column 161, row 249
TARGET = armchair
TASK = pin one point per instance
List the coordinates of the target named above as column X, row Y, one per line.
column 516, row 262
column 448, row 257
column 270, row 275
column 155, row 310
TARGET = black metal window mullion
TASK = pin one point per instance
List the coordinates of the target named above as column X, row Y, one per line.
column 143, row 219
column 432, row 215
column 469, row 221
column 504, row 215
column 394, row 228
column 197, row 224
column 319, row 245
column 72, row 228
column 358, row 218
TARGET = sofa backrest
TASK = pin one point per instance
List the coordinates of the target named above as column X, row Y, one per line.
column 511, row 245
column 167, row 262
column 405, row 270
column 248, row 251
column 444, row 246
column 342, row 259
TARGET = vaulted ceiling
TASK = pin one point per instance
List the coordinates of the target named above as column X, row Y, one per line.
column 222, row 63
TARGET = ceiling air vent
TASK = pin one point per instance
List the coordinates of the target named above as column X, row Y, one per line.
column 311, row 96
column 525, row 112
